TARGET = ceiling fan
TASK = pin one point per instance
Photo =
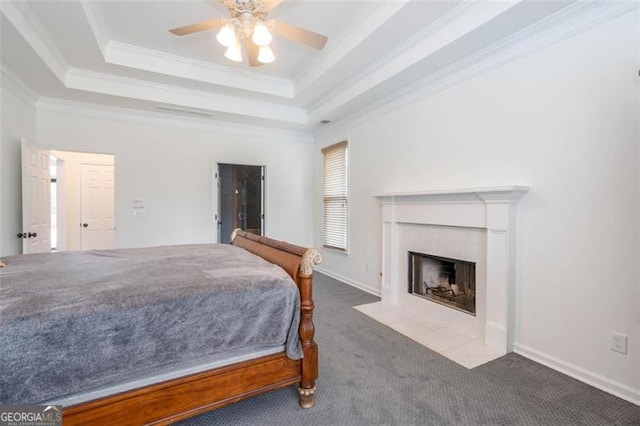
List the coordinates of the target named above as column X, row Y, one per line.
column 249, row 22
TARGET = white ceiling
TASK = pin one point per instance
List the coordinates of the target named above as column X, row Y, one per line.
column 120, row 53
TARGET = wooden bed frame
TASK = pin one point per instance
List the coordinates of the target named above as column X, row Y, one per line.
column 183, row 397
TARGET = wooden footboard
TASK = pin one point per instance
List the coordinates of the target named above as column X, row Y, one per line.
column 183, row 397
column 299, row 263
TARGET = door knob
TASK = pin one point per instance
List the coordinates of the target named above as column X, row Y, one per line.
column 22, row 235
column 84, row 225
column 33, row 234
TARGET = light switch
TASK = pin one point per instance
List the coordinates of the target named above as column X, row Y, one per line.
column 138, row 207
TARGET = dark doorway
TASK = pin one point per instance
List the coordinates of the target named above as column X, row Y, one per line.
column 241, row 200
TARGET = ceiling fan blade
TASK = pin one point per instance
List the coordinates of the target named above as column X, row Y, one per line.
column 300, row 35
column 271, row 4
column 252, row 52
column 202, row 26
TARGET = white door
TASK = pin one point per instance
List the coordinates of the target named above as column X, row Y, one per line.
column 97, row 206
column 36, row 200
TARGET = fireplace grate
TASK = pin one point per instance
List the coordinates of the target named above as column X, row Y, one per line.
column 452, row 293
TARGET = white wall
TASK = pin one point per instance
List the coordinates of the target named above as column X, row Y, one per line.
column 18, row 120
column 563, row 120
column 69, row 195
column 171, row 169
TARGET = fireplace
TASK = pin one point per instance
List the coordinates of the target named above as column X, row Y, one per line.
column 450, row 282
column 474, row 224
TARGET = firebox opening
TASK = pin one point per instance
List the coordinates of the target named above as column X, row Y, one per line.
column 450, row 282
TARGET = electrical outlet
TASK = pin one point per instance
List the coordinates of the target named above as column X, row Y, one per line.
column 618, row 342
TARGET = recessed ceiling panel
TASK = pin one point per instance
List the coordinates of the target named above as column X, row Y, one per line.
column 147, row 24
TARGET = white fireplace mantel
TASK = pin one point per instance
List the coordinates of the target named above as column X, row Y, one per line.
column 492, row 209
column 508, row 194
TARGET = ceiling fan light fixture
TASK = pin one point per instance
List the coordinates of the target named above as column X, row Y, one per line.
column 227, row 36
column 266, row 55
column 261, row 35
column 249, row 23
column 234, row 53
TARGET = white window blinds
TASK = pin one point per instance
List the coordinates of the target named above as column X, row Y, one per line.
column 335, row 196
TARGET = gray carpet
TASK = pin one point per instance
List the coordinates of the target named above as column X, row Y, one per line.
column 372, row 375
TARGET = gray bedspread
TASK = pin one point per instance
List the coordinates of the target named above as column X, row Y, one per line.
column 70, row 322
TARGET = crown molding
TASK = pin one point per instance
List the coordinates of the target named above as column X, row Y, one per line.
column 131, row 56
column 13, row 84
column 565, row 23
column 96, row 24
column 368, row 21
column 110, row 84
column 456, row 23
column 25, row 21
column 150, row 118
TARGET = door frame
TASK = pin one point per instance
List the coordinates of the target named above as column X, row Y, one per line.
column 72, row 223
column 215, row 178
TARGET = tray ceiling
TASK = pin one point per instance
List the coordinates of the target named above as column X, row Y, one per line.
column 120, row 53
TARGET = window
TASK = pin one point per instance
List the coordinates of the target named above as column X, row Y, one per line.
column 335, row 196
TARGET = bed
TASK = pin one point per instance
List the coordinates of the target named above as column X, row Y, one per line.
column 276, row 358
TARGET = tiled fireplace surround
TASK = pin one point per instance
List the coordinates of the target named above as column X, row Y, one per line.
column 474, row 224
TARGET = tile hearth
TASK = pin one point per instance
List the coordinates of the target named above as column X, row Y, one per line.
column 459, row 346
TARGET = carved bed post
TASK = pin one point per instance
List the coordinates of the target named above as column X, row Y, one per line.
column 307, row 386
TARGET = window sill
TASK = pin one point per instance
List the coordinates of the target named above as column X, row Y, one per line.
column 335, row 251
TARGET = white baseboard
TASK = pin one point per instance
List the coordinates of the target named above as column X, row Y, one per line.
column 610, row 386
column 351, row 282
